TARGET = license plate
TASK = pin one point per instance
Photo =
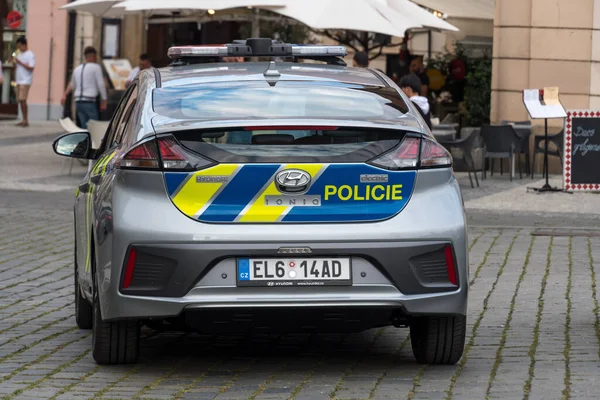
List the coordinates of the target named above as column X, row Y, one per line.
column 294, row 272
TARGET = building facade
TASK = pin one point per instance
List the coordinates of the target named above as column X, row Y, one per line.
column 537, row 44
column 45, row 27
column 540, row 44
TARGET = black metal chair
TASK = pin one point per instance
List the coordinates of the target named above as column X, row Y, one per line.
column 557, row 139
column 499, row 141
column 523, row 129
column 466, row 146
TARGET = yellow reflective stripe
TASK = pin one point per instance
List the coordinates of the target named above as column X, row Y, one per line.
column 88, row 224
column 98, row 164
column 259, row 212
column 105, row 163
column 193, row 195
column 97, row 167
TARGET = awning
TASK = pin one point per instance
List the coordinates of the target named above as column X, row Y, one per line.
column 476, row 9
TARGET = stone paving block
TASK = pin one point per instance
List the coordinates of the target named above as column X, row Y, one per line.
column 34, row 334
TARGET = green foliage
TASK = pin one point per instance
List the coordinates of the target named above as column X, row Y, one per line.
column 476, row 102
column 478, row 91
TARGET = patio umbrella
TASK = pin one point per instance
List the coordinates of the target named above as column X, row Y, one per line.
column 158, row 6
column 417, row 13
column 357, row 15
column 102, row 8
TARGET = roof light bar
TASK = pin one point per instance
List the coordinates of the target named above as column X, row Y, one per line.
column 198, row 51
column 319, row 51
column 257, row 48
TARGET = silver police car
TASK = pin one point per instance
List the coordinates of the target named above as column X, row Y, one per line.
column 273, row 196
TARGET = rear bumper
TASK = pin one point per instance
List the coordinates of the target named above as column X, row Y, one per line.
column 407, row 276
column 192, row 257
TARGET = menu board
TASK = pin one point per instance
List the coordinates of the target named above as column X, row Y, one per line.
column 543, row 103
column 118, row 71
column 582, row 151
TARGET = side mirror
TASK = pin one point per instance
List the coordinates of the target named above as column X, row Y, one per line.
column 75, row 145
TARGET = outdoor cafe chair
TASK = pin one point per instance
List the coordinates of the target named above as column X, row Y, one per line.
column 555, row 148
column 499, row 141
column 466, row 145
column 523, row 130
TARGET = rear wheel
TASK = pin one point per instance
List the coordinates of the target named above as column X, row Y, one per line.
column 438, row 340
column 114, row 342
column 83, row 308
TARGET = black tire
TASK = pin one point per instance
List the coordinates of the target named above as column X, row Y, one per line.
column 115, row 342
column 83, row 309
column 438, row 340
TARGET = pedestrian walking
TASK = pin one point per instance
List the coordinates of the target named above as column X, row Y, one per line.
column 144, row 63
column 25, row 64
column 86, row 84
column 411, row 86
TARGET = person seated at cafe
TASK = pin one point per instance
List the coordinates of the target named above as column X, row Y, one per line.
column 411, row 86
column 360, row 60
column 144, row 63
column 418, row 68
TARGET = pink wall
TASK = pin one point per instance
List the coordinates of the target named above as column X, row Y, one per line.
column 46, row 21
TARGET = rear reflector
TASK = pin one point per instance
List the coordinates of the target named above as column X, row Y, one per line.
column 450, row 264
column 129, row 267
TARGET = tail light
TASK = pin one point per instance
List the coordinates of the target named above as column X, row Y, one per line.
column 144, row 156
column 415, row 153
column 434, row 155
column 165, row 151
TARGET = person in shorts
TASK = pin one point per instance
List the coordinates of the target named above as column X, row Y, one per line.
column 25, row 64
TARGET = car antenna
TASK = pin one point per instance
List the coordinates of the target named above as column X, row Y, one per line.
column 272, row 74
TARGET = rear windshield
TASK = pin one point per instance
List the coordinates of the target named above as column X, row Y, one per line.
column 285, row 100
column 285, row 145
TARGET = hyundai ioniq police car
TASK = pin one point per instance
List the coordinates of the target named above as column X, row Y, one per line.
column 281, row 195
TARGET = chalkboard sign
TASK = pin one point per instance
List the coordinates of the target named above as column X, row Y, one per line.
column 582, row 151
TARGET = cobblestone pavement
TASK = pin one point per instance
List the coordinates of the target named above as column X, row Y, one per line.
column 533, row 330
column 533, row 333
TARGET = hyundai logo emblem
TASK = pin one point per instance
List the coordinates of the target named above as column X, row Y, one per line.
column 293, row 181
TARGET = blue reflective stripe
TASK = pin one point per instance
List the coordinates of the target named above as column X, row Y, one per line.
column 239, row 193
column 334, row 209
column 174, row 180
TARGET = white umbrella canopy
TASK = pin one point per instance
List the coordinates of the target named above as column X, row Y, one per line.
column 104, row 8
column 419, row 14
column 116, row 8
column 356, row 15
column 193, row 5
